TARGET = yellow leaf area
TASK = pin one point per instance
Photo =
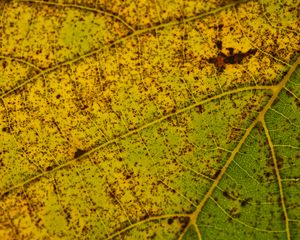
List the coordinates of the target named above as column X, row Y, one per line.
column 149, row 119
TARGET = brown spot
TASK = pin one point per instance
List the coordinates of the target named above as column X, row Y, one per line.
column 218, row 62
column 85, row 230
column 219, row 44
column 245, row 202
column 49, row 168
column 79, row 153
column 4, row 64
column 4, row 195
column 219, row 27
column 216, row 174
column 230, row 51
column 199, row 109
column 67, row 214
column 267, row 174
column 227, row 195
column 6, row 129
column 128, row 175
column 221, row 60
column 170, row 221
column 84, row 107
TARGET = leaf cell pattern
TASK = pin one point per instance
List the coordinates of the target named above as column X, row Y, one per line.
column 149, row 119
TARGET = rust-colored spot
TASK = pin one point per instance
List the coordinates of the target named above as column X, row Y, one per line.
column 222, row 60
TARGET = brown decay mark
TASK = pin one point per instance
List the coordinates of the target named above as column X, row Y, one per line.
column 6, row 129
column 50, row 168
column 79, row 153
column 4, row 64
column 222, row 59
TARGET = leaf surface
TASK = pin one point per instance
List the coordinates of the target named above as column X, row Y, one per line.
column 149, row 119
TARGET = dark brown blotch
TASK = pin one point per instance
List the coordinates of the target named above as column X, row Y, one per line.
column 170, row 221
column 49, row 168
column 4, row 64
column 199, row 109
column 6, row 129
column 219, row 44
column 216, row 174
column 230, row 49
column 84, row 107
column 222, row 60
column 245, row 202
column 79, row 153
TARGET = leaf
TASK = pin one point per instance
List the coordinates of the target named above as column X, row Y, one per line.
column 149, row 119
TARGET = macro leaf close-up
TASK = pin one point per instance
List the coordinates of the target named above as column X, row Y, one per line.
column 150, row 119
